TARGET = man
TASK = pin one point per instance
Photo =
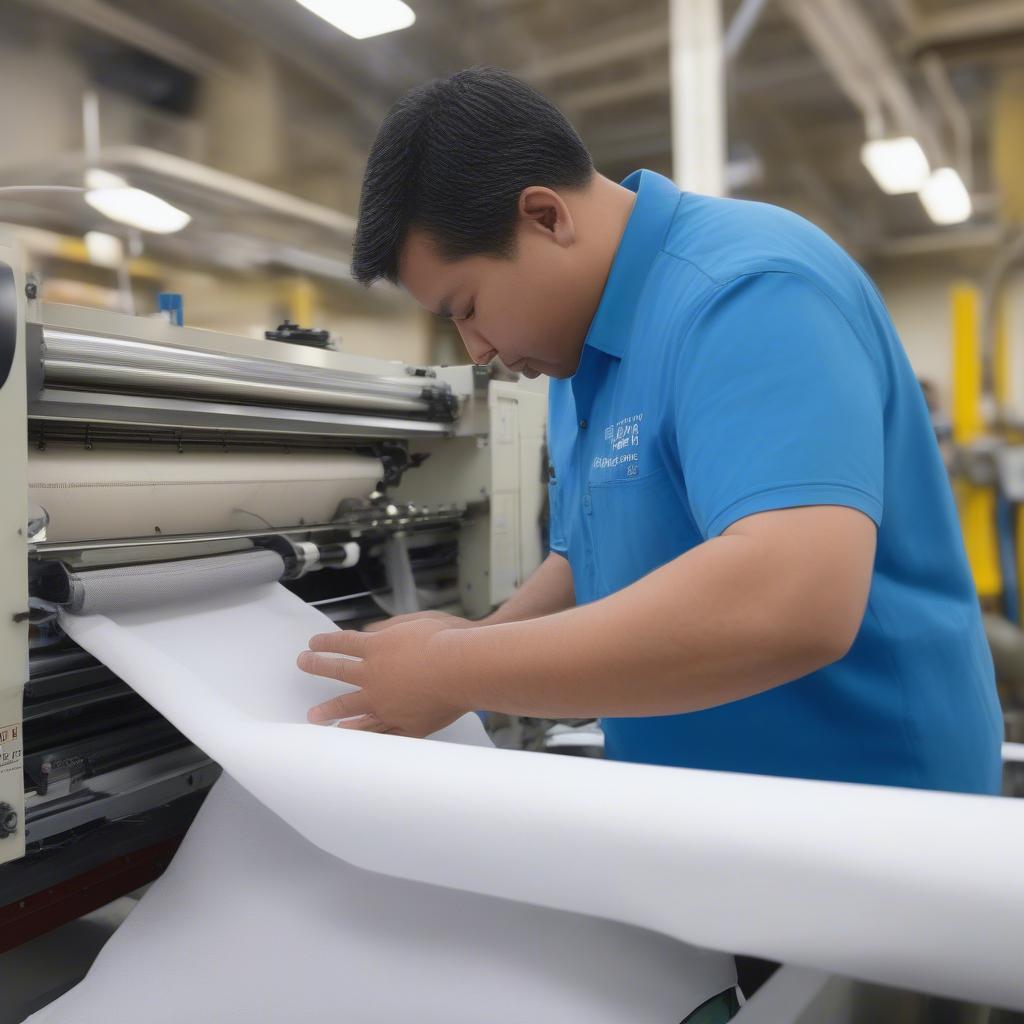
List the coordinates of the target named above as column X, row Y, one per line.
column 755, row 560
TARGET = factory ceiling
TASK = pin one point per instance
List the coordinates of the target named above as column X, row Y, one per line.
column 265, row 91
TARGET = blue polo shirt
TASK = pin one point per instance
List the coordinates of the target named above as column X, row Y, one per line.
column 739, row 361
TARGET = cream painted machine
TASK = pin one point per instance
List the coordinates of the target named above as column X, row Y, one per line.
column 134, row 452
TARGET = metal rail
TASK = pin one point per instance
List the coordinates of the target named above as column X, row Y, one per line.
column 402, row 517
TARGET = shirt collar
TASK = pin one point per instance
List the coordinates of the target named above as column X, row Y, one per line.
column 656, row 201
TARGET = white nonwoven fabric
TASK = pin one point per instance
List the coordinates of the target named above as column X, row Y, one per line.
column 100, row 493
column 900, row 887
column 252, row 922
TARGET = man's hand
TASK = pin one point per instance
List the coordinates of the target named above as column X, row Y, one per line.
column 407, row 685
column 447, row 620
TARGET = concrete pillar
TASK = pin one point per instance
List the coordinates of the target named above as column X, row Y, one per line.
column 698, row 95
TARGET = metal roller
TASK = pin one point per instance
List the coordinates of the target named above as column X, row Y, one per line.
column 57, row 586
column 71, row 359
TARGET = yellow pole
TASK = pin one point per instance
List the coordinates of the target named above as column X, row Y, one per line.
column 1001, row 374
column 978, row 522
column 977, row 504
column 967, row 422
column 1019, row 534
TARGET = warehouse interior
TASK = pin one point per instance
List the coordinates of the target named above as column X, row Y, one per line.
column 190, row 82
column 896, row 126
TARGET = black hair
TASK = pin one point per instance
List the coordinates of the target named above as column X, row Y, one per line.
column 451, row 159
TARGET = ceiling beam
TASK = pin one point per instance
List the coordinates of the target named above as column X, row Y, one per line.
column 656, row 83
column 617, row 45
column 853, row 50
column 741, row 27
column 973, row 22
column 973, row 236
column 612, row 49
column 135, row 32
column 580, row 101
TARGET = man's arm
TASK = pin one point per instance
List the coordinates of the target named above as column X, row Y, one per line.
column 777, row 596
column 548, row 589
column 780, row 594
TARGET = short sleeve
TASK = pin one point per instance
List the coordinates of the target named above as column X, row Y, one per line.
column 556, row 524
column 556, row 528
column 778, row 405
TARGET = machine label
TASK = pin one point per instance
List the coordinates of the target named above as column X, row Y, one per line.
column 10, row 748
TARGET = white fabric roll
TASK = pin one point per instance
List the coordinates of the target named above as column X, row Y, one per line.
column 103, row 494
column 915, row 889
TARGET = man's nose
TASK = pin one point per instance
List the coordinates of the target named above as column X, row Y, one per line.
column 479, row 349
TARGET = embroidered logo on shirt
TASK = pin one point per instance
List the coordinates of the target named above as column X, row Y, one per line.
column 623, row 447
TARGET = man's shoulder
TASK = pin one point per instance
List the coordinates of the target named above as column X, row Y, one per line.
column 714, row 246
column 725, row 239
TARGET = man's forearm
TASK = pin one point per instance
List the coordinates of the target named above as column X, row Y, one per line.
column 730, row 618
column 549, row 589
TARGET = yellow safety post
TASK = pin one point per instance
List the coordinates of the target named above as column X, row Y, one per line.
column 1018, row 532
column 977, row 504
column 1001, row 371
column 978, row 522
column 965, row 308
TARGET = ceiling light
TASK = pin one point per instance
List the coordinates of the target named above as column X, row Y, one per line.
column 95, row 177
column 945, row 197
column 897, row 165
column 363, row 18
column 104, row 250
column 136, row 208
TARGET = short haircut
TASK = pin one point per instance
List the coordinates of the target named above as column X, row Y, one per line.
column 451, row 159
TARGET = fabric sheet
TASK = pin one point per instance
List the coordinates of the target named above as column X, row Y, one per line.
column 252, row 922
column 908, row 888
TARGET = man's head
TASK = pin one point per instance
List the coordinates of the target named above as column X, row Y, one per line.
column 478, row 198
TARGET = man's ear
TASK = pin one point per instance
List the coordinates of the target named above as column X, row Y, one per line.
column 544, row 210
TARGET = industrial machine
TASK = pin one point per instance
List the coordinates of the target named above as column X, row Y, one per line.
column 368, row 487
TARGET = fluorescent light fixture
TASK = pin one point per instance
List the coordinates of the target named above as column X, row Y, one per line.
column 104, row 250
column 363, row 18
column 897, row 165
column 945, row 197
column 138, row 209
column 97, row 178
column 112, row 196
